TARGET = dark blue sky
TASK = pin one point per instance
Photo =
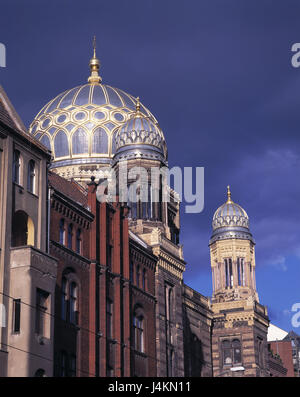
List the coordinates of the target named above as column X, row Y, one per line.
column 218, row 77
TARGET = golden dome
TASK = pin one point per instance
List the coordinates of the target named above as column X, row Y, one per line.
column 79, row 125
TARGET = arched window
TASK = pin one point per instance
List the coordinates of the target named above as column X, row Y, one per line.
column 62, row 231
column 260, row 353
column 228, row 272
column 226, row 350
column 40, row 373
column 80, row 142
column 16, row 166
column 100, row 141
column 78, row 241
column 22, row 229
column 61, row 144
column 64, row 298
column 31, row 177
column 237, row 352
column 138, row 331
column 73, row 303
column 46, row 142
column 232, row 352
column 70, row 236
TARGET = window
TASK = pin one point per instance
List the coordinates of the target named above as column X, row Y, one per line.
column 16, row 167
column 40, row 373
column 31, row 176
column 17, row 315
column 41, row 309
column 228, row 273
column 237, row 353
column 138, row 330
column 73, row 303
column 131, row 272
column 240, row 271
column 22, row 229
column 62, row 231
column 73, row 366
column 260, row 352
column 138, row 276
column 232, row 352
column 64, row 298
column 144, row 280
column 78, row 241
column 63, row 364
column 70, row 236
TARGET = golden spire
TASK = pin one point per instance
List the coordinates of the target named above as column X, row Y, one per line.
column 138, row 105
column 94, row 66
column 228, row 195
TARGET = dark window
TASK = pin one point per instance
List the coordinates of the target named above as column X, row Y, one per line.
column 41, row 309
column 144, row 279
column 138, row 276
column 40, row 373
column 78, row 241
column 17, row 315
column 73, row 366
column 228, row 272
column 131, row 272
column 62, row 231
column 73, row 303
column 138, row 330
column 64, row 298
column 63, row 364
column 31, row 177
column 70, row 236
column 16, row 166
column 241, row 271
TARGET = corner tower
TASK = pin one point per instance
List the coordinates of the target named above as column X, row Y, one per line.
column 240, row 322
column 141, row 149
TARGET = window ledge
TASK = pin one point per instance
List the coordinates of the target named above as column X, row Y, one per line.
column 240, row 368
column 32, row 194
column 21, row 188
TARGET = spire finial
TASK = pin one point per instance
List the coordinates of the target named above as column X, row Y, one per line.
column 138, row 105
column 94, row 66
column 228, row 195
column 94, row 46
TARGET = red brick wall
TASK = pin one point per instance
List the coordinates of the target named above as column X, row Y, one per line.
column 68, row 337
column 284, row 349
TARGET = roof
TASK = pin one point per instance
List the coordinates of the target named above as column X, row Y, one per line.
column 71, row 189
column 10, row 118
column 292, row 335
column 275, row 333
column 8, row 114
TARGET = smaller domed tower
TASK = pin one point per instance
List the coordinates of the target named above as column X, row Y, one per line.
column 232, row 254
column 240, row 322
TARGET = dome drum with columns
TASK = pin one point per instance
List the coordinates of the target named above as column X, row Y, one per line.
column 85, row 125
